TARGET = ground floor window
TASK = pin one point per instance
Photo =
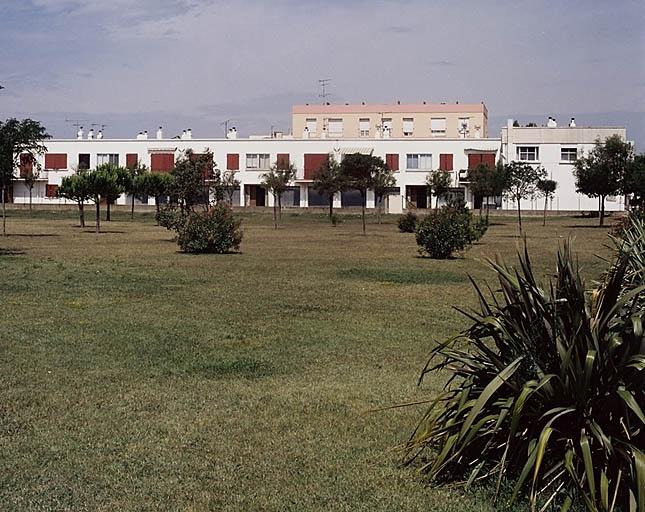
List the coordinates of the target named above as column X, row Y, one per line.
column 291, row 197
column 315, row 199
column 351, row 198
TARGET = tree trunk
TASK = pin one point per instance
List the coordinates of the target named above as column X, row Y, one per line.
column 331, row 207
column 4, row 210
column 275, row 213
column 519, row 214
column 98, row 215
column 107, row 216
column 378, row 213
column 602, row 210
column 487, row 211
column 280, row 207
column 132, row 211
column 546, row 198
column 81, row 214
column 363, row 210
column 30, row 189
column 436, row 204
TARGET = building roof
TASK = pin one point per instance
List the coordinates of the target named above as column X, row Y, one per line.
column 391, row 108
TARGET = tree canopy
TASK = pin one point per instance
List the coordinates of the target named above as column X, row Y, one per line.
column 328, row 181
column 438, row 184
column 277, row 181
column 521, row 183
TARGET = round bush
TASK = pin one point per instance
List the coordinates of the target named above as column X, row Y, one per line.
column 408, row 222
column 169, row 217
column 214, row 231
column 445, row 231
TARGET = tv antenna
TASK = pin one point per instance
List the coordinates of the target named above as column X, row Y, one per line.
column 225, row 125
column 324, row 82
column 102, row 126
column 76, row 122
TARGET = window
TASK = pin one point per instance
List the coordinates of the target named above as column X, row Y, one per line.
column 335, row 127
column 463, row 126
column 419, row 161
column 50, row 190
column 438, row 126
column 257, row 161
column 162, row 162
column 528, row 153
column 56, row 161
column 446, row 162
column 387, row 124
column 408, row 126
column 310, row 124
column 232, row 161
column 568, row 154
column 392, row 161
column 107, row 158
column 83, row 161
column 364, row 126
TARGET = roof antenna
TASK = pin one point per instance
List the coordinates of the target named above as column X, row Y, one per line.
column 225, row 125
column 324, row 82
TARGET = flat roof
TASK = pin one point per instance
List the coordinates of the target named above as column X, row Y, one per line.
column 449, row 108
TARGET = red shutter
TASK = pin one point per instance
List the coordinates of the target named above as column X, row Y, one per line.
column 392, row 161
column 50, row 190
column 474, row 159
column 313, row 162
column 445, row 162
column 26, row 165
column 233, row 161
column 56, row 161
column 282, row 160
column 162, row 162
column 131, row 159
column 488, row 159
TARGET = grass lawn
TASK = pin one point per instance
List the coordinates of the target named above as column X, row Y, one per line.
column 134, row 377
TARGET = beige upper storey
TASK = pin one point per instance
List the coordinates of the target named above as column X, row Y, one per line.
column 421, row 121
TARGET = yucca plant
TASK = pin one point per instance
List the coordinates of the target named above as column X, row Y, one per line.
column 547, row 390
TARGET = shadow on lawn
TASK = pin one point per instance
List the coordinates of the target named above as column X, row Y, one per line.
column 30, row 235
column 12, row 252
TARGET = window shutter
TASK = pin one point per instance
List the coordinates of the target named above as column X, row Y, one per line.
column 488, row 159
column 408, row 125
column 392, row 160
column 474, row 159
column 162, row 162
column 26, row 165
column 232, row 161
column 56, row 161
column 445, row 162
column 131, row 159
column 50, row 190
column 313, row 162
column 282, row 160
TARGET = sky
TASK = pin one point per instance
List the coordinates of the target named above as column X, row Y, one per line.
column 137, row 64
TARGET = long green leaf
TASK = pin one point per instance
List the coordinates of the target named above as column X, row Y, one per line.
column 639, row 459
column 629, row 399
column 588, row 461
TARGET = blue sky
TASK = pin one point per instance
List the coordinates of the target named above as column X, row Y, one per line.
column 135, row 64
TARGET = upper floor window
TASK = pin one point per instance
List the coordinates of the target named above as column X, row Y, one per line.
column 335, row 127
column 311, row 126
column 257, row 161
column 408, row 126
column 438, row 126
column 419, row 161
column 364, row 127
column 568, row 154
column 463, row 126
column 107, row 158
column 528, row 153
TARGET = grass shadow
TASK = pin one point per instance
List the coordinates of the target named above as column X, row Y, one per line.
column 403, row 276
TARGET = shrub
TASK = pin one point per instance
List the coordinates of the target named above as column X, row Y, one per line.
column 547, row 389
column 408, row 222
column 445, row 231
column 214, row 231
column 479, row 228
column 169, row 217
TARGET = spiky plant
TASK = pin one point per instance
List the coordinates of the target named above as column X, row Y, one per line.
column 547, row 391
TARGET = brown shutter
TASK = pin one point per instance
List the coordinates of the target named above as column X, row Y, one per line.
column 233, row 161
column 474, row 159
column 26, row 165
column 56, row 161
column 162, row 162
column 313, row 162
column 50, row 190
column 131, row 159
column 445, row 162
column 488, row 159
column 50, row 160
column 392, row 161
column 282, row 160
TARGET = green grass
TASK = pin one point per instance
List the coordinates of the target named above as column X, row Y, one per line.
column 134, row 377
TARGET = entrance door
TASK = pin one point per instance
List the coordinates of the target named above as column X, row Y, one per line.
column 256, row 195
column 418, row 195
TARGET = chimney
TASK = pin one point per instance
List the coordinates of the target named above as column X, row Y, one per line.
column 160, row 133
column 424, row 102
column 79, row 133
column 362, row 103
column 572, row 123
column 145, row 134
column 90, row 134
column 398, row 102
column 100, row 134
column 183, row 135
column 189, row 133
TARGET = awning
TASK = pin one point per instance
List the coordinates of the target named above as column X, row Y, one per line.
column 352, row 150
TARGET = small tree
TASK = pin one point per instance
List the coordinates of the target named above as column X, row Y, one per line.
column 76, row 188
column 602, row 172
column 155, row 184
column 328, row 181
column 103, row 183
column 194, row 177
column 521, row 183
column 486, row 181
column 438, row 184
column 634, row 182
column 132, row 184
column 17, row 138
column 29, row 175
column 230, row 184
column 383, row 186
column 546, row 188
column 277, row 181
column 122, row 181
column 359, row 172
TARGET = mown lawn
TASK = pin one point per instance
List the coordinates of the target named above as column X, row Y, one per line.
column 134, row 377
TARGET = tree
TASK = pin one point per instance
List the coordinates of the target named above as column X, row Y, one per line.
column 103, row 183
column 634, row 183
column 359, row 172
column 277, row 181
column 486, row 181
column 155, row 184
column 230, row 184
column 521, row 183
column 383, row 186
column 29, row 175
column 76, row 187
column 328, row 181
column 134, row 170
column 194, row 177
column 546, row 188
column 602, row 172
column 122, row 181
column 438, row 184
column 17, row 138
